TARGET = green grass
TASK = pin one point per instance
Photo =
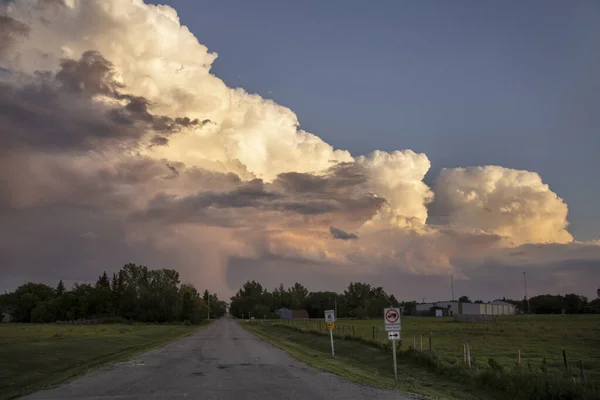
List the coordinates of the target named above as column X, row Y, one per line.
column 364, row 364
column 536, row 336
column 34, row 356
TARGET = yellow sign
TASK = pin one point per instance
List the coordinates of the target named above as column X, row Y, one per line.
column 330, row 326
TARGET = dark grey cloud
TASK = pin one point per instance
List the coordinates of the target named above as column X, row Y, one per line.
column 340, row 234
column 341, row 178
column 170, row 208
column 159, row 141
column 49, row 3
column 290, row 195
column 10, row 31
column 58, row 113
column 41, row 116
column 92, row 74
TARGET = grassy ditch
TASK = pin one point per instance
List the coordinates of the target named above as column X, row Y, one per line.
column 539, row 339
column 367, row 361
column 364, row 363
column 34, row 356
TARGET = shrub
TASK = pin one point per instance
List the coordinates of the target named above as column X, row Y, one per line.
column 494, row 365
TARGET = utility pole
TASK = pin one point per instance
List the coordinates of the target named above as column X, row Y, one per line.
column 526, row 299
column 208, row 300
column 452, row 284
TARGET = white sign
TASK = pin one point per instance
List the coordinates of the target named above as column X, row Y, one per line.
column 391, row 316
column 329, row 316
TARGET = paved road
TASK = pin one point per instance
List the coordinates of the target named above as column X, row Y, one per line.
column 222, row 362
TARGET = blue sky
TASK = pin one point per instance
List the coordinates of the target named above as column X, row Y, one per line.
column 467, row 82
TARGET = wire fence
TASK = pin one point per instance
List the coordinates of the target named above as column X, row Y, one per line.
column 454, row 353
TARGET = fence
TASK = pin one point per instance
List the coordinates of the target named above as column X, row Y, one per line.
column 80, row 322
column 343, row 331
column 453, row 352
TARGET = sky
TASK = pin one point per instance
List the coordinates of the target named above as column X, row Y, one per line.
column 311, row 142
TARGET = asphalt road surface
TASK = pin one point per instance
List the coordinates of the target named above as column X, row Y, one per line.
column 222, row 362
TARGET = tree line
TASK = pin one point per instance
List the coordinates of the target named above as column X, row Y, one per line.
column 134, row 293
column 137, row 293
column 361, row 300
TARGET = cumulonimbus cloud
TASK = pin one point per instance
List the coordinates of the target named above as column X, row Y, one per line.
column 109, row 106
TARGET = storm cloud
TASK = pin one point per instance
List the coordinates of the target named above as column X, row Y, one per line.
column 118, row 144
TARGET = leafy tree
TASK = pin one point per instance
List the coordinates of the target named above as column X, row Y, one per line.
column 575, row 304
column 317, row 302
column 298, row 295
column 217, row 307
column 60, row 288
column 248, row 297
column 547, row 304
column 26, row 297
column 377, row 301
column 187, row 303
column 594, row 306
column 464, row 299
column 409, row 307
column 356, row 296
column 135, row 293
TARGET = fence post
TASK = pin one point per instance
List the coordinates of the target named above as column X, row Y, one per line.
column 373, row 332
column 581, row 370
column 362, row 332
column 465, row 353
column 414, row 341
column 519, row 359
column 421, row 337
column 430, row 343
column 469, row 355
column 565, row 360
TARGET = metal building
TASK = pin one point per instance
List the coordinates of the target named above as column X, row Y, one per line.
column 454, row 308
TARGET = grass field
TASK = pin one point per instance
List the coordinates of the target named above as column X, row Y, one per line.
column 365, row 364
column 536, row 336
column 35, row 356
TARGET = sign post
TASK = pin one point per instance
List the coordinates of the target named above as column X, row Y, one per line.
column 330, row 319
column 393, row 326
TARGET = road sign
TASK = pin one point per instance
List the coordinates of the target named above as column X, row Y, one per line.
column 391, row 315
column 330, row 319
column 329, row 316
column 394, row 335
